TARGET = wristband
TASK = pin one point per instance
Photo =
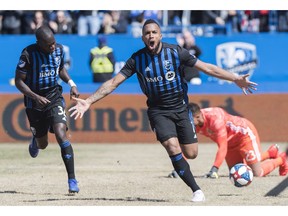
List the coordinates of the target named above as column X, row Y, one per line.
column 71, row 83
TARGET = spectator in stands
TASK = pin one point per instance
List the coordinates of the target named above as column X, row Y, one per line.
column 233, row 19
column 102, row 61
column 196, row 17
column 26, row 18
column 214, row 17
column 217, row 17
column 221, row 18
column 11, row 22
column 1, row 17
column 88, row 22
column 38, row 20
column 254, row 21
column 114, row 22
column 153, row 14
column 263, row 20
column 174, row 17
column 136, row 24
column 282, row 16
column 257, row 20
column 147, row 14
column 187, row 41
column 62, row 23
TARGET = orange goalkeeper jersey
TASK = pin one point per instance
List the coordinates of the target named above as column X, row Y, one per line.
column 228, row 131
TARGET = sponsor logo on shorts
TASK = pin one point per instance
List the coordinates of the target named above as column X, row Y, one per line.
column 33, row 130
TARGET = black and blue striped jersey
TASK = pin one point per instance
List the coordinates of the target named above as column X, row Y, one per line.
column 161, row 76
column 42, row 72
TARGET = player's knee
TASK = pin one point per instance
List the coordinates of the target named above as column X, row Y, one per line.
column 191, row 155
column 42, row 142
column 42, row 145
column 172, row 148
column 61, row 138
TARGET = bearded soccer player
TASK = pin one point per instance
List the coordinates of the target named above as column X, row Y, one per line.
column 158, row 69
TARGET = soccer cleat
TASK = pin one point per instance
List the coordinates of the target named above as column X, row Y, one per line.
column 173, row 174
column 73, row 186
column 198, row 196
column 33, row 149
column 283, row 169
column 273, row 151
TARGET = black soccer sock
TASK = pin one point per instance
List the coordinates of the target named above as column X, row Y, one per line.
column 182, row 167
column 68, row 158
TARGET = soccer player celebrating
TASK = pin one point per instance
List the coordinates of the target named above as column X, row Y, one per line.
column 37, row 73
column 158, row 67
column 238, row 142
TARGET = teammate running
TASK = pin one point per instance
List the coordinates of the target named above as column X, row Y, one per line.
column 37, row 73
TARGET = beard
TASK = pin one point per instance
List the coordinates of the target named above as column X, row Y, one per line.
column 154, row 50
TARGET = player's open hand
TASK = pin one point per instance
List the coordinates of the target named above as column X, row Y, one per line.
column 80, row 108
column 246, row 85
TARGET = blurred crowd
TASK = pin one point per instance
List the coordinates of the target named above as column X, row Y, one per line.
column 85, row 22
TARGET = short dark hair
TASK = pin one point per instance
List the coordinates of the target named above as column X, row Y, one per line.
column 43, row 32
column 195, row 108
column 149, row 21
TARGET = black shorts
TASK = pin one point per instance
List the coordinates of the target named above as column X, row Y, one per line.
column 173, row 124
column 42, row 121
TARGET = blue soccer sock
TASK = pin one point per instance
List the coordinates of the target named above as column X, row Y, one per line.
column 68, row 158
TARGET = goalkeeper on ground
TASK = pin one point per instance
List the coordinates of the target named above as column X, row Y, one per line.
column 238, row 142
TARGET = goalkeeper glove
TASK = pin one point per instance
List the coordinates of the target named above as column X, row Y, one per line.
column 213, row 173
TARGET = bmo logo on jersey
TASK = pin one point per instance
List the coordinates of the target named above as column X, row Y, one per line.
column 170, row 75
column 237, row 57
column 47, row 74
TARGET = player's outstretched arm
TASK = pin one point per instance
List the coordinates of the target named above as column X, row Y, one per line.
column 215, row 71
column 105, row 89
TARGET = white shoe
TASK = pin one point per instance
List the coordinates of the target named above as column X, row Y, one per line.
column 198, row 196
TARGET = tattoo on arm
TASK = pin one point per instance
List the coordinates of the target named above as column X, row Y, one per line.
column 104, row 90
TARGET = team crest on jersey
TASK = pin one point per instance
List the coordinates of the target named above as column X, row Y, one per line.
column 170, row 75
column 57, row 60
column 237, row 57
column 21, row 63
column 167, row 65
